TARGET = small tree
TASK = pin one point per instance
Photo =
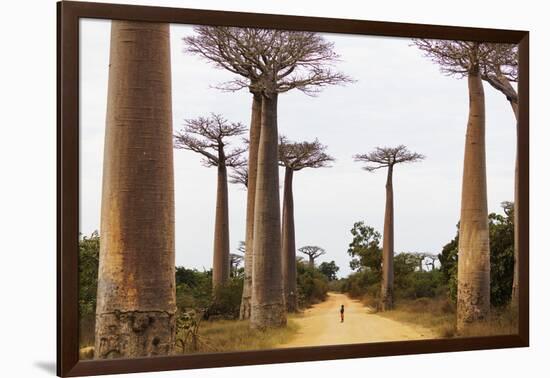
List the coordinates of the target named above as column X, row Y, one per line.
column 208, row 136
column 295, row 157
column 387, row 157
column 312, row 252
column 365, row 249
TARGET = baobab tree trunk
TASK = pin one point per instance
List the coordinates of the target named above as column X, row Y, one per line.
column 268, row 308
column 386, row 297
column 289, row 245
column 473, row 297
column 135, row 314
column 253, row 144
column 517, row 207
column 220, row 270
column 311, row 262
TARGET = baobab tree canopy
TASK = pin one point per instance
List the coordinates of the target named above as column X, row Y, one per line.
column 207, row 136
column 312, row 251
column 269, row 61
column 383, row 157
column 497, row 62
column 297, row 156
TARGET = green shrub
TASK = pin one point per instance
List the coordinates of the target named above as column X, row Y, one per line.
column 226, row 301
column 312, row 285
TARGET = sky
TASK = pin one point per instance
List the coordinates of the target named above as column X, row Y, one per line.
column 399, row 97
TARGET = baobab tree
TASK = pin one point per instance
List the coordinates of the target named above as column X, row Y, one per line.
column 500, row 70
column 465, row 59
column 295, row 157
column 387, row 157
column 312, row 252
column 267, row 62
column 208, row 136
column 136, row 304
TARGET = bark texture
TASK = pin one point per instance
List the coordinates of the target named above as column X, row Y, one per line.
column 289, row 245
column 220, row 266
column 473, row 297
column 268, row 309
column 386, row 295
column 254, row 142
column 135, row 314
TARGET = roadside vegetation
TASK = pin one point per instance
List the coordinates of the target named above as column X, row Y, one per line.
column 207, row 317
column 425, row 285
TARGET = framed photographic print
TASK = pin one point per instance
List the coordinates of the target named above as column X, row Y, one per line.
column 239, row 188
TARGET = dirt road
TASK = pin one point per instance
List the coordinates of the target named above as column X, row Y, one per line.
column 320, row 325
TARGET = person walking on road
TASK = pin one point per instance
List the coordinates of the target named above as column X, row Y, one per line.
column 342, row 314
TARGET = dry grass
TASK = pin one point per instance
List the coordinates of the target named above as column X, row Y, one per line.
column 227, row 336
column 438, row 314
column 500, row 322
column 235, row 335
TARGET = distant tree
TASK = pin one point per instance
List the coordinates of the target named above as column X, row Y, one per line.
column 387, row 157
column 312, row 252
column 267, row 62
column 406, row 263
column 234, row 261
column 329, row 269
column 294, row 157
column 365, row 249
column 242, row 247
column 208, row 136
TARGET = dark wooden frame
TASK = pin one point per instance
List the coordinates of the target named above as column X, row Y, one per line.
column 68, row 15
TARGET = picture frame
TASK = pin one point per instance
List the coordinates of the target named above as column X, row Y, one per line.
column 68, row 16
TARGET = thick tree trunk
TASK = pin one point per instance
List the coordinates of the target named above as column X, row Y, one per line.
column 268, row 308
column 220, row 270
column 311, row 262
column 473, row 298
column 386, row 295
column 253, row 145
column 289, row 245
column 135, row 314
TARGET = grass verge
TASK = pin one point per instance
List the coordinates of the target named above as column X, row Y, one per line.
column 236, row 335
column 438, row 314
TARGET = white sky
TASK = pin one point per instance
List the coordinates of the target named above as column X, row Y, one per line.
column 400, row 97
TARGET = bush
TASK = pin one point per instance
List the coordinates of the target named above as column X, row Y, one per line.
column 425, row 284
column 362, row 282
column 194, row 292
column 312, row 285
column 226, row 301
column 193, row 289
